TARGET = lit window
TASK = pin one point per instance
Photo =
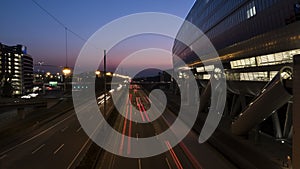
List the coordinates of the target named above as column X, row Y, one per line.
column 232, row 64
column 251, row 77
column 271, row 59
column 247, row 62
column 206, row 76
column 251, row 10
column 252, row 62
column 243, row 63
column 265, row 60
column 200, row 69
column 278, row 57
column 238, row 63
column 209, row 68
column 273, row 74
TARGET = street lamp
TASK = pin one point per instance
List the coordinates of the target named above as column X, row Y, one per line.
column 109, row 74
column 66, row 71
column 97, row 73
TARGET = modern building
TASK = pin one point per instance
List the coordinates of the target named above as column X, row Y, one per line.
column 246, row 34
column 16, row 70
column 255, row 40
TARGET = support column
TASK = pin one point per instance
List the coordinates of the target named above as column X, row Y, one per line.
column 296, row 114
column 288, row 120
column 276, row 124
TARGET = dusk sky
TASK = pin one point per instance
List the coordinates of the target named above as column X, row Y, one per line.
column 23, row 22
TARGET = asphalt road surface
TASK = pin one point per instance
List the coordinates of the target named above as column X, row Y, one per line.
column 57, row 144
column 187, row 154
column 61, row 142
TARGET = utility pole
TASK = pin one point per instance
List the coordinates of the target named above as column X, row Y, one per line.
column 104, row 82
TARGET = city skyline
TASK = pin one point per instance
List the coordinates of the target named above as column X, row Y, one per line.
column 27, row 24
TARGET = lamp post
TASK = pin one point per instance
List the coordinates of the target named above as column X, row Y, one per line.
column 66, row 70
column 104, row 81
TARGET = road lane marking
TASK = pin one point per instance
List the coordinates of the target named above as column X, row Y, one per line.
column 82, row 148
column 3, row 156
column 57, row 150
column 78, row 129
column 74, row 159
column 32, row 138
column 36, row 150
column 140, row 163
column 168, row 163
column 137, row 136
column 64, row 129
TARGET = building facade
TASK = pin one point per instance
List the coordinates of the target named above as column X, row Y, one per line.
column 256, row 41
column 16, row 70
column 246, row 34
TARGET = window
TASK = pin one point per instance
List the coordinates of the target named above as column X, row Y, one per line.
column 251, row 10
column 273, row 74
column 206, row 76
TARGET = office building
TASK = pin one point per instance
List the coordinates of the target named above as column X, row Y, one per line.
column 16, row 70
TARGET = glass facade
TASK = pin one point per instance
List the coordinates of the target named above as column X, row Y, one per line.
column 244, row 18
column 265, row 60
column 246, row 34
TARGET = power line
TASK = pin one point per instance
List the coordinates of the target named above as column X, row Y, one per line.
column 58, row 21
column 66, row 31
column 65, row 27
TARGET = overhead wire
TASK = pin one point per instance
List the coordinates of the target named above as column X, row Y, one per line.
column 58, row 21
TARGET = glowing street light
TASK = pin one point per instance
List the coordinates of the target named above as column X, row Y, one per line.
column 66, row 71
column 98, row 73
column 109, row 74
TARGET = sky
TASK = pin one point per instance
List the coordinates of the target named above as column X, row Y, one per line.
column 23, row 22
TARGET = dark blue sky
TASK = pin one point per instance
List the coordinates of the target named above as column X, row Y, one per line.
column 23, row 22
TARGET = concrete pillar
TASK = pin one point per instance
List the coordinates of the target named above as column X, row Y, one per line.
column 205, row 97
column 276, row 125
column 288, row 120
column 296, row 114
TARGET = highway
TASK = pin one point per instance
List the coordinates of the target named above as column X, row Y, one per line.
column 187, row 154
column 61, row 142
column 57, row 144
